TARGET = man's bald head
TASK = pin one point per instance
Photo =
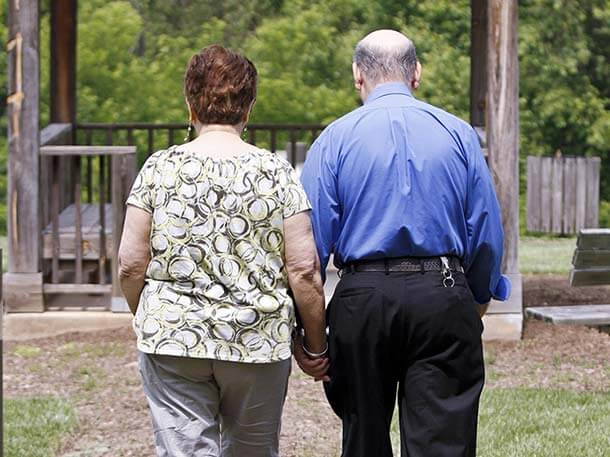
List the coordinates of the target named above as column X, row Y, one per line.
column 385, row 56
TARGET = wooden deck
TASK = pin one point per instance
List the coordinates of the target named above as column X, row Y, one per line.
column 91, row 230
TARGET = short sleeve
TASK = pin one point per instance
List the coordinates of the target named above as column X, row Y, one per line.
column 294, row 197
column 142, row 191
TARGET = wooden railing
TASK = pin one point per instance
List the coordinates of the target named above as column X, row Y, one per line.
column 149, row 138
column 86, row 216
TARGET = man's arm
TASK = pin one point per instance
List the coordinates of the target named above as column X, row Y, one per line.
column 320, row 182
column 134, row 254
column 485, row 234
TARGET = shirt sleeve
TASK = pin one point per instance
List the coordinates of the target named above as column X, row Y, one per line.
column 295, row 198
column 483, row 259
column 142, row 192
column 320, row 181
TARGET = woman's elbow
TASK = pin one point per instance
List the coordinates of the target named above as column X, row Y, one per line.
column 131, row 269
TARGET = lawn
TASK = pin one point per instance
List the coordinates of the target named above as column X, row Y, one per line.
column 34, row 427
column 522, row 422
column 543, row 255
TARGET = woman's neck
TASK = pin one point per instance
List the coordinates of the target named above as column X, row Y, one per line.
column 218, row 128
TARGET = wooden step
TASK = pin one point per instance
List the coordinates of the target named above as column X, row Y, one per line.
column 591, row 315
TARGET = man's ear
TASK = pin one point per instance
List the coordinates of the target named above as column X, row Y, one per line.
column 416, row 76
column 357, row 74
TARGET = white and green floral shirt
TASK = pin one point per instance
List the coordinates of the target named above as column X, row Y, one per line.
column 216, row 286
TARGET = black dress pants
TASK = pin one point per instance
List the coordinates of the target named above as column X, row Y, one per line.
column 406, row 331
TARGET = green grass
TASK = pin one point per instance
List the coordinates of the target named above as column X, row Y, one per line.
column 26, row 351
column 546, row 254
column 34, row 427
column 539, row 423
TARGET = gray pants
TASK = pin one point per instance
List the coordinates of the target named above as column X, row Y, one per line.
column 203, row 407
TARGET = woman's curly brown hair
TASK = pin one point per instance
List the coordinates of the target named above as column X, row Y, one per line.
column 220, row 85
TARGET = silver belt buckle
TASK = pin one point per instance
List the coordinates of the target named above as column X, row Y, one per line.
column 448, row 280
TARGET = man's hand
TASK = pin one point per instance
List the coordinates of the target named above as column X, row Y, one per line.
column 482, row 309
column 315, row 368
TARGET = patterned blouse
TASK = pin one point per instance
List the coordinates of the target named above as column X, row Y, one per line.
column 216, row 286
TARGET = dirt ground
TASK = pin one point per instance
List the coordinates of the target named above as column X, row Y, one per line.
column 98, row 371
column 555, row 290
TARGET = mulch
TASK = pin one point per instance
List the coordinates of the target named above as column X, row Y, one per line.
column 98, row 372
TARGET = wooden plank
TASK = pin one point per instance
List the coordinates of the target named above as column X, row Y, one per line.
column 78, row 228
column 594, row 239
column 22, row 110
column 546, row 170
column 591, row 258
column 569, row 195
column 77, row 288
column 592, row 213
column 590, row 277
column 56, row 133
column 581, row 192
column 87, row 150
column 90, row 219
column 502, row 121
column 56, row 245
column 592, row 315
column 533, row 194
column 124, row 171
column 22, row 292
column 557, row 195
column 102, row 208
column 90, row 244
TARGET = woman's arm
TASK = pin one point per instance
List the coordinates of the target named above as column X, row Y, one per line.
column 134, row 254
column 303, row 268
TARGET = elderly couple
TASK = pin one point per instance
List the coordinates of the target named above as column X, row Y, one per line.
column 222, row 242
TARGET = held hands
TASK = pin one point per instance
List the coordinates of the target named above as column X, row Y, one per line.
column 315, row 367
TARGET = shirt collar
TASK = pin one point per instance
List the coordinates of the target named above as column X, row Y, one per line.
column 388, row 89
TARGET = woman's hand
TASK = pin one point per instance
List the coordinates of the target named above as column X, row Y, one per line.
column 316, row 368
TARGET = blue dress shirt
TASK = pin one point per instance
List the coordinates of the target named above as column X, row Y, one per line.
column 398, row 177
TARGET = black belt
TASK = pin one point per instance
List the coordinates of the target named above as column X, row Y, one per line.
column 421, row 264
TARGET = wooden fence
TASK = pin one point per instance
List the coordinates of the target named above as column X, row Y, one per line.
column 562, row 194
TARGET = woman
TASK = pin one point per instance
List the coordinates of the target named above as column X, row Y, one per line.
column 217, row 234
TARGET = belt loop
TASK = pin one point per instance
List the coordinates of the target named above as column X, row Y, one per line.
column 386, row 266
column 421, row 266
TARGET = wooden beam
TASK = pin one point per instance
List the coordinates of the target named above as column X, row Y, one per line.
column 86, row 150
column 502, row 116
column 63, row 60
column 23, row 138
column 478, row 61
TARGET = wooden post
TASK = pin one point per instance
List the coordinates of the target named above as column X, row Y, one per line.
column 63, row 61
column 124, row 168
column 478, row 61
column 63, row 82
column 502, row 126
column 23, row 283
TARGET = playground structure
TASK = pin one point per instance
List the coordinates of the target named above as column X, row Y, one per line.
column 68, row 181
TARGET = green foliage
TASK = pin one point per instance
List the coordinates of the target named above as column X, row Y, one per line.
column 604, row 214
column 132, row 55
column 35, row 426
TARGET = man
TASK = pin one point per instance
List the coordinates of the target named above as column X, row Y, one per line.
column 402, row 197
